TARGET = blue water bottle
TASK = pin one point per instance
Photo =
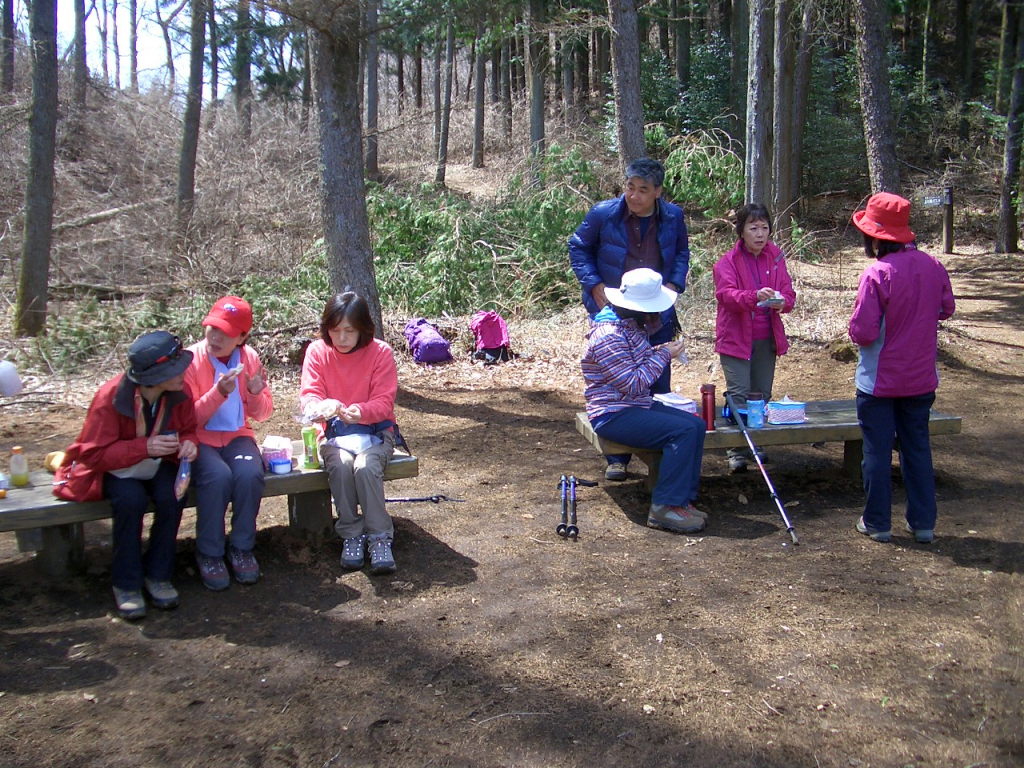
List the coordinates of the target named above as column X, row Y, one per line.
column 755, row 410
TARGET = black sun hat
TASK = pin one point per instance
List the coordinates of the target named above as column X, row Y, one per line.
column 155, row 357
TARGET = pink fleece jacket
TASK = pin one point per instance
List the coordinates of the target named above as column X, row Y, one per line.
column 367, row 378
column 736, row 292
column 202, row 380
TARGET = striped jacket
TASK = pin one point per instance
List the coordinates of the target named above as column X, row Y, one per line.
column 619, row 365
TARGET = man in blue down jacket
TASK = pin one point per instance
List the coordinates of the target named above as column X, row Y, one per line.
column 636, row 230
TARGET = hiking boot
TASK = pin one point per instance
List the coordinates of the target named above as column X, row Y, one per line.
column 615, row 471
column 922, row 535
column 162, row 594
column 244, row 566
column 882, row 536
column 131, row 604
column 381, row 559
column 696, row 512
column 737, row 464
column 213, row 572
column 352, row 553
column 675, row 519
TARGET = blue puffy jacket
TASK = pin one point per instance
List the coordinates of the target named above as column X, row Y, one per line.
column 597, row 250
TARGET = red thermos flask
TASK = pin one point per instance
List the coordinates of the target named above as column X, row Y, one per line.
column 707, row 405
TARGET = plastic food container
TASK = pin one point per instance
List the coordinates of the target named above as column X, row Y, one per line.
column 280, row 466
column 786, row 411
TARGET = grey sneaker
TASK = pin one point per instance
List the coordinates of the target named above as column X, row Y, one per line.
column 131, row 604
column 213, row 572
column 381, row 559
column 675, row 519
column 882, row 536
column 737, row 464
column 352, row 553
column 162, row 594
column 244, row 565
column 696, row 512
column 922, row 535
column 615, row 471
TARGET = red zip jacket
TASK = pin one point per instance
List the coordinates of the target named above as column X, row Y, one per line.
column 736, row 292
column 108, row 440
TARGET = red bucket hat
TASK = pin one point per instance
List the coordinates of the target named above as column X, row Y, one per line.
column 887, row 217
column 231, row 315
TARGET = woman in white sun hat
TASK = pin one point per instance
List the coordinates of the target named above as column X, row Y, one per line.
column 619, row 367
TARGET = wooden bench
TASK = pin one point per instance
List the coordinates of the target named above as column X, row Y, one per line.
column 53, row 527
column 828, row 421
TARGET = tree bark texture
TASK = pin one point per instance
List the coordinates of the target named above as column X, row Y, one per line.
column 738, row 67
column 801, row 95
column 758, row 163
column 214, row 57
column 42, row 137
column 681, row 14
column 538, row 68
column 629, row 113
column 372, row 90
column 133, row 45
column 1009, row 195
column 872, row 25
column 335, row 59
column 243, row 68
column 193, row 113
column 102, row 26
column 506, row 89
column 7, row 51
column 446, row 106
column 480, row 81
column 782, row 114
column 80, row 70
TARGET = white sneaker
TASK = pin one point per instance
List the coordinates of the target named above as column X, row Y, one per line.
column 131, row 604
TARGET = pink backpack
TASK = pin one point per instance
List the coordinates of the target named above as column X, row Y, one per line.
column 492, row 344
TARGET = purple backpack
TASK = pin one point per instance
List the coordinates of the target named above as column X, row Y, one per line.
column 425, row 343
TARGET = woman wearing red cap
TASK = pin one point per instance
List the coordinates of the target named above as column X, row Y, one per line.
column 900, row 301
column 230, row 387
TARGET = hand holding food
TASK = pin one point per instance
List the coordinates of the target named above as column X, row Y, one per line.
column 322, row 410
column 162, row 445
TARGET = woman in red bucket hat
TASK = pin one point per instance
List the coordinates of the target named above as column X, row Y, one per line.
column 901, row 298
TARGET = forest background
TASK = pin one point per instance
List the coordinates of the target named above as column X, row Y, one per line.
column 225, row 177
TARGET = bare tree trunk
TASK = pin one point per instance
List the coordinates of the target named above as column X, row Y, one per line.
column 629, row 113
column 307, row 81
column 478, row 106
column 80, row 76
column 538, row 68
column 102, row 27
column 568, row 78
column 33, row 282
column 496, row 75
column 446, row 108
column 437, row 90
column 243, row 68
column 758, row 164
column 372, row 90
column 419, row 75
column 343, row 193
column 1009, row 194
column 214, row 59
column 400, row 74
column 681, row 14
column 1007, row 44
column 925, row 46
column 801, row 94
column 739, row 66
column 133, row 46
column 165, row 29
column 583, row 73
column 117, row 47
column 871, row 21
column 506, row 89
column 193, row 114
column 7, row 52
column 782, row 113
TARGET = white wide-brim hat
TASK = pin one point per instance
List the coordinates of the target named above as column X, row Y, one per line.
column 642, row 290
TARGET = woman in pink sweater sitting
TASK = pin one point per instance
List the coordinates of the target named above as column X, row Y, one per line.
column 230, row 387
column 348, row 388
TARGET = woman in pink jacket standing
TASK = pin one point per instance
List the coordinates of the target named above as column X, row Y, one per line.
column 230, row 387
column 753, row 289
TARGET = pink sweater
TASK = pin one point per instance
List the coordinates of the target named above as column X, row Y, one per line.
column 367, row 378
column 202, row 380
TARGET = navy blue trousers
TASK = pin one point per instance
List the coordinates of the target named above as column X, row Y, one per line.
column 882, row 419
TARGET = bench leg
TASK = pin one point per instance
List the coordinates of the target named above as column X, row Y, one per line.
column 63, row 551
column 853, row 455
column 653, row 462
column 30, row 540
column 310, row 514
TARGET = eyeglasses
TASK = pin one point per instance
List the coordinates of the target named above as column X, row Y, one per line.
column 173, row 355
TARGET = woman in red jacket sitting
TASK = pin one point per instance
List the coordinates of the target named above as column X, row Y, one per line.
column 138, row 425
column 229, row 386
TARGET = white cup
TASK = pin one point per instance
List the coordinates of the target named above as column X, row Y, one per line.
column 10, row 382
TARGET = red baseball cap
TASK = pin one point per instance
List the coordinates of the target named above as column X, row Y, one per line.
column 231, row 315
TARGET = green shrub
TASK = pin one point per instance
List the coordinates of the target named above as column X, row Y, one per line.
column 704, row 173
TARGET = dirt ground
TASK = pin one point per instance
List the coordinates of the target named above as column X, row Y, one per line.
column 499, row 644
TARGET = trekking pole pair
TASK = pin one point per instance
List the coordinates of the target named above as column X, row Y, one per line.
column 567, row 485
